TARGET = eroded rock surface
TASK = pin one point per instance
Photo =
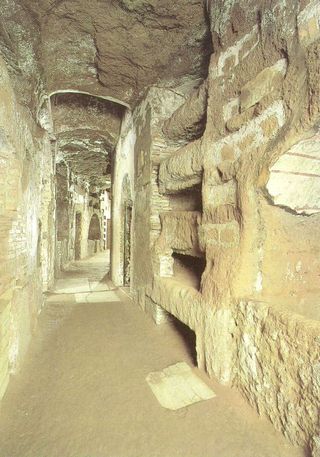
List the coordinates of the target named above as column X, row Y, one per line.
column 120, row 48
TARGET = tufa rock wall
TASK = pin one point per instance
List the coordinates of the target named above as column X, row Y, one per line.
column 255, row 313
column 27, row 213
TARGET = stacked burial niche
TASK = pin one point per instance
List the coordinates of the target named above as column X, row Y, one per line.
column 180, row 180
column 178, row 260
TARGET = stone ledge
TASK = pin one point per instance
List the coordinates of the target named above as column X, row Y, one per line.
column 188, row 121
column 183, row 170
column 183, row 302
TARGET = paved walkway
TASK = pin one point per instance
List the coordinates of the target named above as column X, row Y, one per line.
column 82, row 390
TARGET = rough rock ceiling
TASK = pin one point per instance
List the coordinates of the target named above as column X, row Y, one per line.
column 114, row 49
column 118, row 48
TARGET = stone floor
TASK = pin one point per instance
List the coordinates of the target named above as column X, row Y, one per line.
column 82, row 390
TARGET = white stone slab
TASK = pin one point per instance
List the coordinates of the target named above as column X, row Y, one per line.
column 178, row 386
column 97, row 297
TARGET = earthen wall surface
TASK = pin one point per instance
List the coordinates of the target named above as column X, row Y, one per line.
column 255, row 316
column 27, row 213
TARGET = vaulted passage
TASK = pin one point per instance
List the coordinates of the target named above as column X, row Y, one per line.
column 159, row 228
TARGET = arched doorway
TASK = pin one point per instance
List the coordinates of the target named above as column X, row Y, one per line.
column 94, row 233
column 78, row 230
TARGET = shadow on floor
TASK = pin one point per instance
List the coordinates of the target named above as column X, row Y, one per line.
column 188, row 336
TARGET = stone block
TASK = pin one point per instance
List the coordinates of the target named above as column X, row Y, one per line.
column 228, row 235
column 236, row 122
column 214, row 196
column 223, row 214
column 270, row 126
column 309, row 23
column 210, row 232
column 264, row 83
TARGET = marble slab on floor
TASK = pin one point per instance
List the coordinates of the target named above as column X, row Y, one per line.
column 177, row 386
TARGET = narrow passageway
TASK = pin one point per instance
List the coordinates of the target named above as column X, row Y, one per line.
column 82, row 390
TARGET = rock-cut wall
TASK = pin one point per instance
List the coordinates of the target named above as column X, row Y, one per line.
column 27, row 230
column 228, row 176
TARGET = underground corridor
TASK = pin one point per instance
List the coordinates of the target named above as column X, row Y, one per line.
column 159, row 228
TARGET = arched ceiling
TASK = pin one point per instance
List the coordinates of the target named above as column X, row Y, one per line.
column 87, row 130
column 114, row 49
